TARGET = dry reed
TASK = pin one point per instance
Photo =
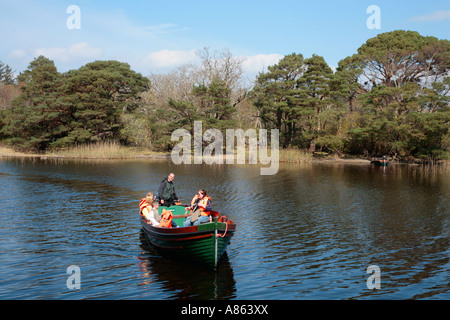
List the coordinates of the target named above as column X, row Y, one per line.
column 98, row 150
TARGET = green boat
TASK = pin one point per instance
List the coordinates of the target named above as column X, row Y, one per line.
column 384, row 162
column 204, row 243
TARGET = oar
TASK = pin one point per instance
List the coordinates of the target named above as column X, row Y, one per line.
column 195, row 207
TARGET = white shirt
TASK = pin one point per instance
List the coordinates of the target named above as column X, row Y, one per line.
column 151, row 216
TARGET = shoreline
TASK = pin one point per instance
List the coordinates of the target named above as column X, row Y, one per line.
column 6, row 152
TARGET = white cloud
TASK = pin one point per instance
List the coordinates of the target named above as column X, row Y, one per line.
column 169, row 58
column 65, row 58
column 435, row 16
column 165, row 60
column 253, row 65
column 260, row 62
column 75, row 53
column 17, row 54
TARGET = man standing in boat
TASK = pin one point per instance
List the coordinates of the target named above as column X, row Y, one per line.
column 166, row 191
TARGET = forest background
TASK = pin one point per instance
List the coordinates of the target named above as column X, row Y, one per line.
column 391, row 97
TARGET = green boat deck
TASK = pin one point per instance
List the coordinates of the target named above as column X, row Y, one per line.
column 176, row 210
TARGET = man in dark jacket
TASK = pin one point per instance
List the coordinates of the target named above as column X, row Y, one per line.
column 166, row 191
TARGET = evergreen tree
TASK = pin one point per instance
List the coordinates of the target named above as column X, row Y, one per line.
column 276, row 97
column 318, row 109
column 399, row 57
column 80, row 106
column 215, row 106
column 38, row 115
column 402, row 68
column 6, row 74
column 297, row 97
column 100, row 92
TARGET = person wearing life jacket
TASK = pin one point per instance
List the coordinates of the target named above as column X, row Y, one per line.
column 166, row 219
column 200, row 209
column 166, row 191
column 147, row 208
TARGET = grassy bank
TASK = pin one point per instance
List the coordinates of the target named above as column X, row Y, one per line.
column 9, row 152
column 295, row 156
column 114, row 150
column 99, row 150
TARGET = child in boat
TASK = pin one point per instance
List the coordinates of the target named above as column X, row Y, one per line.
column 147, row 206
column 154, row 216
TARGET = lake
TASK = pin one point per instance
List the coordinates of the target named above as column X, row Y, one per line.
column 309, row 232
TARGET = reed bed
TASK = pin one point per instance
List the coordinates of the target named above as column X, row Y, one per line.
column 284, row 156
column 295, row 156
column 98, row 150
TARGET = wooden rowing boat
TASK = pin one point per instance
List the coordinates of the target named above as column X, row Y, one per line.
column 380, row 162
column 204, row 243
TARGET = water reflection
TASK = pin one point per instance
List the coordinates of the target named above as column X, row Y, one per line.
column 309, row 232
column 185, row 280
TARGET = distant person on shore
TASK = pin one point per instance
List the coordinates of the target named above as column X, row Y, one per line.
column 166, row 191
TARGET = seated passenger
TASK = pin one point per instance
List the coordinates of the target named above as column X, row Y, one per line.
column 145, row 209
column 154, row 216
column 200, row 209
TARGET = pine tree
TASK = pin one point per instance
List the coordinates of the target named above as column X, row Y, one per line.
column 80, row 106
column 34, row 120
column 6, row 74
column 215, row 106
column 316, row 107
column 276, row 97
column 100, row 93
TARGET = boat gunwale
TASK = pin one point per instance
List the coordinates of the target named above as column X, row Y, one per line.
column 175, row 239
column 182, row 232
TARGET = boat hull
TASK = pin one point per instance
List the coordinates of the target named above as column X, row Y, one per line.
column 205, row 243
column 380, row 163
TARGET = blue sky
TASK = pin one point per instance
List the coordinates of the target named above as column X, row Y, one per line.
column 156, row 36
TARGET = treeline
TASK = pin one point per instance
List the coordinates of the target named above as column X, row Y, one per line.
column 390, row 98
column 57, row 110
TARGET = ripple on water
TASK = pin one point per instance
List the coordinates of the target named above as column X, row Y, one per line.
column 309, row 232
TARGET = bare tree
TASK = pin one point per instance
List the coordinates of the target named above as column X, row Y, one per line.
column 178, row 84
column 223, row 65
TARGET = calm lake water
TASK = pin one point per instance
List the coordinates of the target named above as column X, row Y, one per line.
column 308, row 232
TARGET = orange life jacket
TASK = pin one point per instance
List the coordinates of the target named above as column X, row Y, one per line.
column 144, row 204
column 166, row 219
column 204, row 202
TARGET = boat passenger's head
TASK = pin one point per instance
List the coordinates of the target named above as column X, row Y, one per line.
column 149, row 197
column 201, row 193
